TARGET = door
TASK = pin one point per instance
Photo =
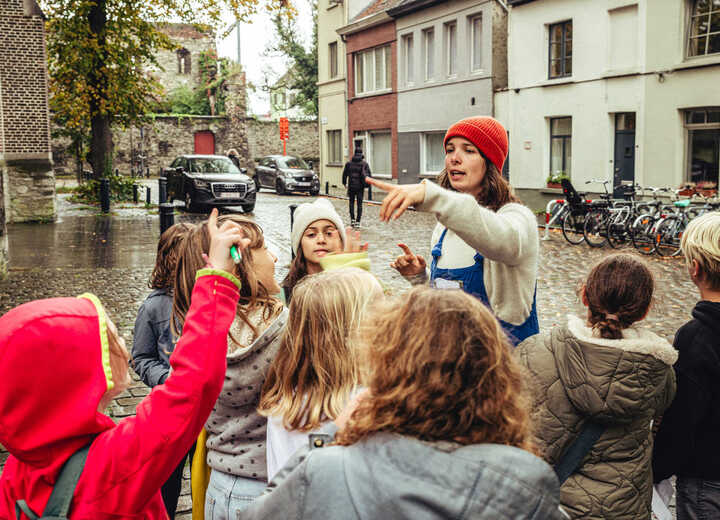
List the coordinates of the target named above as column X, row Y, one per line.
column 205, row 143
column 624, row 163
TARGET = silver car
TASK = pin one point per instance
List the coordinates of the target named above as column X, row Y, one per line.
column 285, row 173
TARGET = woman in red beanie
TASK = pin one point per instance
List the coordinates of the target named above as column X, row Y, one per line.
column 486, row 241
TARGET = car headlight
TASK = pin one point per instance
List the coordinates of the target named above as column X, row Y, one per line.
column 203, row 185
column 288, row 175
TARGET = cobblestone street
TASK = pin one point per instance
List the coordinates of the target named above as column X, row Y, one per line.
column 113, row 256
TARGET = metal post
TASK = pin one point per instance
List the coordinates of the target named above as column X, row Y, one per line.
column 117, row 172
column 135, row 193
column 147, row 195
column 147, row 172
column 293, row 207
column 167, row 216
column 105, row 195
column 369, row 192
column 327, row 187
column 162, row 189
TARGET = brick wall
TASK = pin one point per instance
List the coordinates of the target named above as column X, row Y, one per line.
column 264, row 139
column 23, row 76
column 377, row 112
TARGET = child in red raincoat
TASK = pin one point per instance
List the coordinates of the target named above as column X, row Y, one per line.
column 62, row 362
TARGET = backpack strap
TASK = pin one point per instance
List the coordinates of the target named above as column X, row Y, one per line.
column 576, row 452
column 58, row 505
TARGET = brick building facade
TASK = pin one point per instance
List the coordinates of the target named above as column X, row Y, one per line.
column 27, row 183
column 372, row 87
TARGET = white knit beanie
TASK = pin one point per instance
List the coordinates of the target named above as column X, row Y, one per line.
column 307, row 213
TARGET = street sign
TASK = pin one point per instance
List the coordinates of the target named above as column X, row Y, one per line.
column 284, row 132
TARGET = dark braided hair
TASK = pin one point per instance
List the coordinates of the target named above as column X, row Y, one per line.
column 619, row 291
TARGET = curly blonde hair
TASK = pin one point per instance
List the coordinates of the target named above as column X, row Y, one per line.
column 439, row 367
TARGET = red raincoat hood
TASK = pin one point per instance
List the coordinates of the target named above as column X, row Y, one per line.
column 54, row 368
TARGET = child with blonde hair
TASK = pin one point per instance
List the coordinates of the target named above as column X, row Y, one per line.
column 316, row 369
column 63, row 362
column 686, row 444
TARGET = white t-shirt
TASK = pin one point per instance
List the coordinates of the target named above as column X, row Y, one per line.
column 281, row 443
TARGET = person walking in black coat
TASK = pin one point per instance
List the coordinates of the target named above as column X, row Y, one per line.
column 356, row 169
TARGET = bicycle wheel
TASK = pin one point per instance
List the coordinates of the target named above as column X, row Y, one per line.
column 617, row 233
column 572, row 227
column 595, row 227
column 641, row 234
column 667, row 236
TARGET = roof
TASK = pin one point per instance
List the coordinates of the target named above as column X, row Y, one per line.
column 376, row 6
column 406, row 7
column 514, row 3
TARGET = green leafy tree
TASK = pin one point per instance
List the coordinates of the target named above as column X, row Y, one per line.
column 301, row 61
column 98, row 51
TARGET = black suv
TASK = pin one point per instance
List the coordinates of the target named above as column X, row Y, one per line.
column 285, row 173
column 209, row 180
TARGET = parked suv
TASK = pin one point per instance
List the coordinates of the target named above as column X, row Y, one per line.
column 209, row 180
column 285, row 173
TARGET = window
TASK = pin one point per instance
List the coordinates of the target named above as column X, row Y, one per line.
column 377, row 147
column 429, row 53
column 334, row 143
column 373, row 70
column 433, row 153
column 333, row 59
column 704, row 33
column 475, row 23
column 293, row 99
column 451, row 48
column 560, row 63
column 703, row 125
column 183, row 58
column 560, row 145
column 407, row 52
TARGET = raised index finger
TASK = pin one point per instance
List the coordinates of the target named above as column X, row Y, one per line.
column 385, row 186
column 212, row 221
column 405, row 249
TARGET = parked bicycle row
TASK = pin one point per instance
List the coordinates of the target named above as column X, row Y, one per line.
column 653, row 226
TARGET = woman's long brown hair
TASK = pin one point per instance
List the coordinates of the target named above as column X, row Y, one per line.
column 439, row 367
column 495, row 190
column 168, row 250
column 253, row 295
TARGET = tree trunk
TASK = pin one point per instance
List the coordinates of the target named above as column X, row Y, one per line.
column 101, row 143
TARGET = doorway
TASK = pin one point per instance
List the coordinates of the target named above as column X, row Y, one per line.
column 205, row 143
column 624, row 163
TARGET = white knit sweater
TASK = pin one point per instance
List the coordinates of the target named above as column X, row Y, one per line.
column 508, row 239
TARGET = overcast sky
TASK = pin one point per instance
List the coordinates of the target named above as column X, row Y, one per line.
column 254, row 38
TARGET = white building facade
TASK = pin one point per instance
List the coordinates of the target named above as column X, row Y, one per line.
column 623, row 90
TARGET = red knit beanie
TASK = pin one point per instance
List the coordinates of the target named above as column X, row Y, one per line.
column 484, row 132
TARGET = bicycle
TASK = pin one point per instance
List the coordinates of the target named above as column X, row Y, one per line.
column 623, row 215
column 596, row 220
column 669, row 230
column 642, row 230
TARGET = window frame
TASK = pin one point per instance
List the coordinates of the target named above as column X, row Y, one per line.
column 423, row 154
column 408, row 58
column 428, row 57
column 707, row 34
column 387, row 74
column 563, row 53
column 691, row 127
column 565, row 138
column 471, row 42
column 451, row 46
column 333, row 60
column 334, row 140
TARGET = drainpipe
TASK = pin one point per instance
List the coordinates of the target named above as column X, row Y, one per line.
column 503, row 5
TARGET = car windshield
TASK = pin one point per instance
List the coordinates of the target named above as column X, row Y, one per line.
column 212, row 165
column 294, row 163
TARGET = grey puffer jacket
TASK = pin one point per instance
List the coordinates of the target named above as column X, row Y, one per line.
column 389, row 476
column 623, row 384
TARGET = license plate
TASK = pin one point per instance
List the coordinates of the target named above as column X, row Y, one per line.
column 303, row 184
column 228, row 195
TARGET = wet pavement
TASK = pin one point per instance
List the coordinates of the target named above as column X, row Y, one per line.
column 112, row 256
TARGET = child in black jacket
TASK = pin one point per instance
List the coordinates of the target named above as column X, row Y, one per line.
column 687, row 443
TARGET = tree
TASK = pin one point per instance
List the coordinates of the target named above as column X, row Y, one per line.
column 302, row 62
column 98, row 51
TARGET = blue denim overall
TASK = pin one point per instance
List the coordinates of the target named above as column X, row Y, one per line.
column 473, row 282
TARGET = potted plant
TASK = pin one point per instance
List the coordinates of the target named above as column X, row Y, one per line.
column 554, row 180
column 707, row 188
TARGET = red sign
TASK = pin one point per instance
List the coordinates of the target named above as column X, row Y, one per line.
column 284, row 128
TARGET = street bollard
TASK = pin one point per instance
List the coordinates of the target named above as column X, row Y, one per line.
column 147, row 195
column 105, row 195
column 327, row 187
column 369, row 192
column 167, row 216
column 162, row 189
column 117, row 172
column 135, row 193
column 293, row 207
column 147, row 172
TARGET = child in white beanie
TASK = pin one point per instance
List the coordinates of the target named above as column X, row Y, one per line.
column 317, row 232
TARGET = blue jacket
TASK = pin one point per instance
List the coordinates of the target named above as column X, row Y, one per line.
column 399, row 477
column 152, row 339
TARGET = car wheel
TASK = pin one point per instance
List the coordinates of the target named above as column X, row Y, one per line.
column 248, row 208
column 280, row 187
column 189, row 204
column 314, row 192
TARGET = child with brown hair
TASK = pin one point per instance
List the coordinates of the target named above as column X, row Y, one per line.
column 441, row 431
column 235, row 430
column 63, row 361
column 606, row 371
column 686, row 444
column 153, row 341
column 316, row 369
